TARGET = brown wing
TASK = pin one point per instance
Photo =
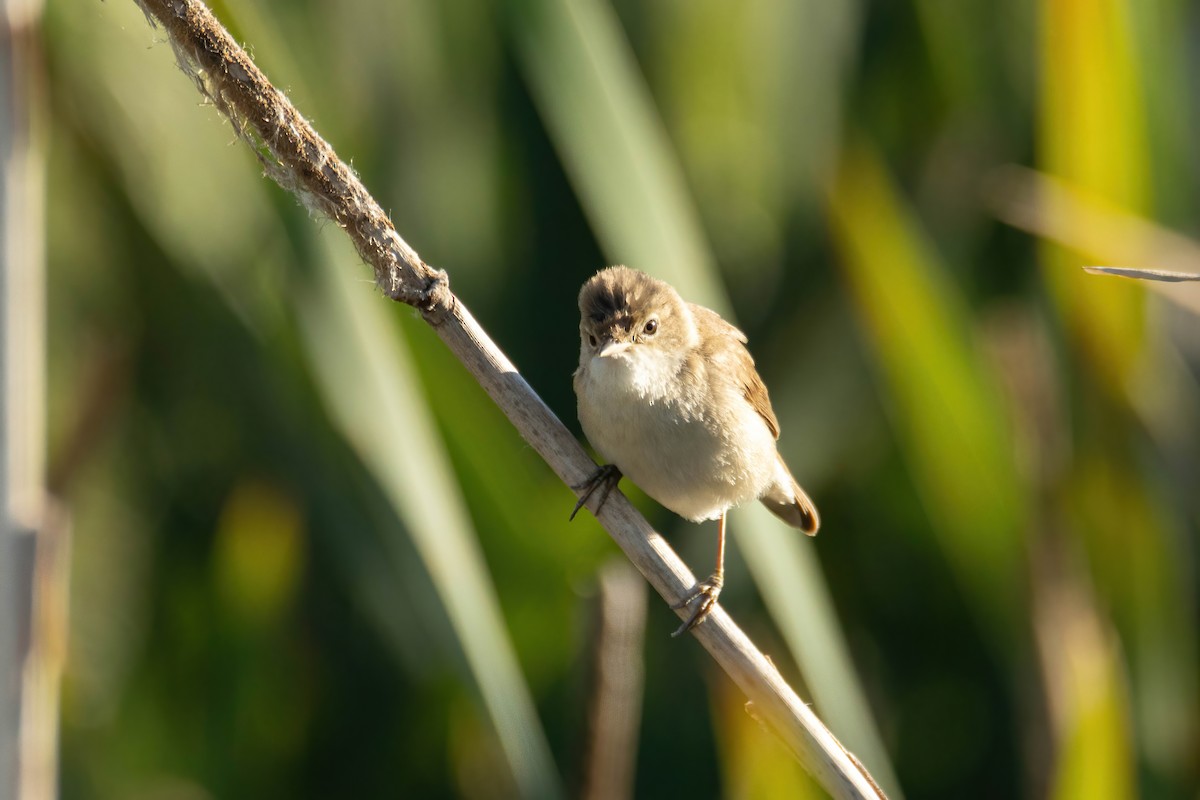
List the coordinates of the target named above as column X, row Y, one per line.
column 756, row 393
column 729, row 346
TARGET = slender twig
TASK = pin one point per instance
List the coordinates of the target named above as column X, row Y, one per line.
column 296, row 157
column 1145, row 274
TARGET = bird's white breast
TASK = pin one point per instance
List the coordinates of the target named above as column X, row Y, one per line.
column 693, row 451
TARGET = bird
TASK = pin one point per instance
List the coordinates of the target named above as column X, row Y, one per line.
column 669, row 396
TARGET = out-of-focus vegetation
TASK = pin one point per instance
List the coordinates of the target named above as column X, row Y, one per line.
column 312, row 560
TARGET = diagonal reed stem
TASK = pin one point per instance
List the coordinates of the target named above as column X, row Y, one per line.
column 297, row 158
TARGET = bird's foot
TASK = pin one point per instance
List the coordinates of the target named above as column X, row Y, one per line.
column 707, row 592
column 605, row 478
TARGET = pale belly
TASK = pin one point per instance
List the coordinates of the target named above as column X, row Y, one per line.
column 694, row 463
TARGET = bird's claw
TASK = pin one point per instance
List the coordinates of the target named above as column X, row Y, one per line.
column 606, row 477
column 707, row 591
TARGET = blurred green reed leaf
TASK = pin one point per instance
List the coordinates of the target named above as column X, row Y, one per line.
column 953, row 34
column 1088, row 700
column 368, row 384
column 1095, row 763
column 946, row 406
column 1092, row 135
column 602, row 121
column 207, row 207
column 751, row 93
column 1138, row 565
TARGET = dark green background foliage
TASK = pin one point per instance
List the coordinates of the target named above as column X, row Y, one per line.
column 312, row 560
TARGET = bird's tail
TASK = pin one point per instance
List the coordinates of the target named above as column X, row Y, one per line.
column 789, row 502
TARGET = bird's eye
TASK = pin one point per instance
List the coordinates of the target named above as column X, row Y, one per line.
column 591, row 340
column 650, row 328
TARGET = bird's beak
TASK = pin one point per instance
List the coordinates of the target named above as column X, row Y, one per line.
column 611, row 347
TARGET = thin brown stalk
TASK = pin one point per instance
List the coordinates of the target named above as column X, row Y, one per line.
column 295, row 156
column 615, row 709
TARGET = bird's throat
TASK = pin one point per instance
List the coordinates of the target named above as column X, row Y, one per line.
column 641, row 372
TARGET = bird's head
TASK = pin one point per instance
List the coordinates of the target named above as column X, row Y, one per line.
column 624, row 312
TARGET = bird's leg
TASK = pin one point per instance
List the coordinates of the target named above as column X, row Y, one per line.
column 606, row 478
column 706, row 590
